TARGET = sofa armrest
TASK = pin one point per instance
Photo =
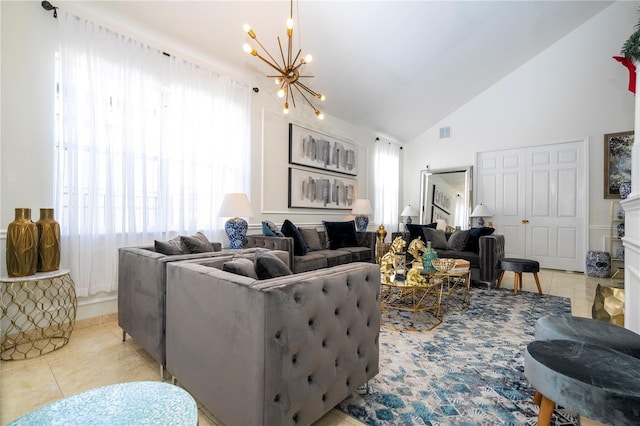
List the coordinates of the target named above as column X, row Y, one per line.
column 271, row 243
column 368, row 239
column 491, row 252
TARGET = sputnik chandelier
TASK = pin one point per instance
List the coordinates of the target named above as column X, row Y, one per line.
column 288, row 77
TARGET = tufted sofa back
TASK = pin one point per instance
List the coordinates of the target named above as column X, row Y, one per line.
column 282, row 351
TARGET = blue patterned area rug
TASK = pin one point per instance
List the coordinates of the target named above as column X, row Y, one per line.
column 469, row 370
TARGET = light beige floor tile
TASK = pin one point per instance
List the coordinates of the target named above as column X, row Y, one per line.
column 96, row 356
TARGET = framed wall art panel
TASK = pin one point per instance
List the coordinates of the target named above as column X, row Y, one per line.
column 318, row 190
column 313, row 149
column 617, row 162
column 441, row 199
column 438, row 213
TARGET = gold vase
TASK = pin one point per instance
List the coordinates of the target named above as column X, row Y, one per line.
column 48, row 242
column 22, row 245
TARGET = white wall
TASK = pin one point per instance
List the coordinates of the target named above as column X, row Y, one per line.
column 28, row 41
column 572, row 91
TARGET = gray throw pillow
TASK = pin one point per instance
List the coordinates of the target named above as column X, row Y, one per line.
column 268, row 265
column 437, row 238
column 311, row 238
column 241, row 266
column 196, row 244
column 458, row 240
column 170, row 248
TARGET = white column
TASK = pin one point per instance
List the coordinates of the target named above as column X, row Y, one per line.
column 631, row 241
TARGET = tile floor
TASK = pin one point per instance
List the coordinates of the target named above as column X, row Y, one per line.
column 96, row 356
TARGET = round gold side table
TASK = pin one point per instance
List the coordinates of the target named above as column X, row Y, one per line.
column 38, row 314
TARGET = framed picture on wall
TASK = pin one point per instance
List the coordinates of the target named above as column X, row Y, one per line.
column 313, row 149
column 441, row 200
column 317, row 190
column 438, row 213
column 617, row 162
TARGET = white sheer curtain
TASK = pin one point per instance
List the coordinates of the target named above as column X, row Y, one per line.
column 147, row 145
column 387, row 184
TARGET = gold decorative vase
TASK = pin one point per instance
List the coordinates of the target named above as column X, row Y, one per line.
column 22, row 245
column 48, row 242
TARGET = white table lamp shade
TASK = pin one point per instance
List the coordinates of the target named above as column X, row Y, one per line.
column 362, row 206
column 235, row 205
column 409, row 211
column 481, row 211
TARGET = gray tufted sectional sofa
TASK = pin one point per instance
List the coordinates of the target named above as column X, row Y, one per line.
column 142, row 285
column 280, row 351
column 325, row 258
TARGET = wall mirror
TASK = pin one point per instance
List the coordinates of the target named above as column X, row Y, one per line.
column 445, row 195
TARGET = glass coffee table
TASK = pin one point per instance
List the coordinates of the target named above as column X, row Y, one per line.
column 415, row 300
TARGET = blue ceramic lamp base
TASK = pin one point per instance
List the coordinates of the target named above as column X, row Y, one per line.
column 236, row 229
column 361, row 223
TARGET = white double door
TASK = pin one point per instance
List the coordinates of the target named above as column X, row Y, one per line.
column 539, row 197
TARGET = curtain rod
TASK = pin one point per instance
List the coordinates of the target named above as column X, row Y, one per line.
column 48, row 6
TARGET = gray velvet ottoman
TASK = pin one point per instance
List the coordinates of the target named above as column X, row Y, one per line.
column 599, row 383
column 518, row 266
column 565, row 327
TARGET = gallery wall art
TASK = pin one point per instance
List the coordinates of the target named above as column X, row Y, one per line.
column 313, row 149
column 310, row 189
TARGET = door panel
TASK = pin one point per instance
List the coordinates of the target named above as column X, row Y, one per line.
column 539, row 201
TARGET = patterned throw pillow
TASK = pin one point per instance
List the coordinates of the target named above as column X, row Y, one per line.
column 270, row 229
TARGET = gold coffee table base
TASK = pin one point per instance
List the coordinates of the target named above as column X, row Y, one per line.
column 397, row 297
column 38, row 314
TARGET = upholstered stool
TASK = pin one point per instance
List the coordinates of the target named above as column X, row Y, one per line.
column 518, row 266
column 565, row 327
column 599, row 383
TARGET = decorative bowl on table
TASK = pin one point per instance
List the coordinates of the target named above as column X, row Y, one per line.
column 443, row 264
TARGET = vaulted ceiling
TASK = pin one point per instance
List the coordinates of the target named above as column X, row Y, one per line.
column 395, row 67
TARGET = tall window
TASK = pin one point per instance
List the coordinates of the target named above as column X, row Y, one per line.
column 147, row 145
column 387, row 184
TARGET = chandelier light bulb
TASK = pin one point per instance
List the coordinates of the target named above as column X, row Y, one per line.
column 288, row 73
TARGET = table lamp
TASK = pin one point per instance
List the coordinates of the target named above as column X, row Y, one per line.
column 362, row 208
column 235, row 205
column 408, row 212
column 481, row 211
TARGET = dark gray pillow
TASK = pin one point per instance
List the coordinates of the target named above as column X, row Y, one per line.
column 196, row 244
column 170, row 248
column 268, row 265
column 437, row 238
column 241, row 266
column 458, row 240
column 311, row 238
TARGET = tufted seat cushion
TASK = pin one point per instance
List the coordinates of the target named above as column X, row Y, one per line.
column 519, row 265
column 596, row 382
column 565, row 327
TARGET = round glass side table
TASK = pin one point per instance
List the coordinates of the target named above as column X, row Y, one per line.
column 38, row 314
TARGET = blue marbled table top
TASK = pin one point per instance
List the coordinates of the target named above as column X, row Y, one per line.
column 133, row 403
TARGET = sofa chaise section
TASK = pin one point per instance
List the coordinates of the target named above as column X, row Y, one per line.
column 281, row 351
